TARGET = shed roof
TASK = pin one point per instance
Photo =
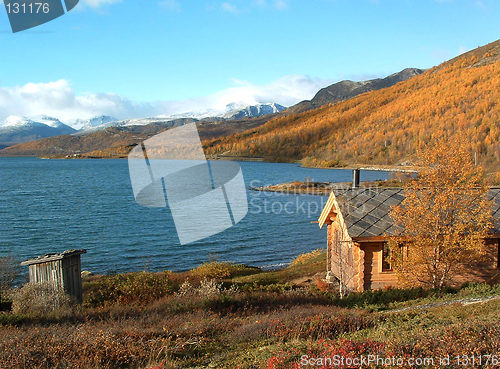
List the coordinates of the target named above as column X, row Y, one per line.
column 53, row 257
column 366, row 210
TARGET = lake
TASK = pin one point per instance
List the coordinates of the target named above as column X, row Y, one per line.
column 50, row 206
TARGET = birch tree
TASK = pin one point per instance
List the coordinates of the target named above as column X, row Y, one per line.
column 8, row 269
column 341, row 259
column 443, row 219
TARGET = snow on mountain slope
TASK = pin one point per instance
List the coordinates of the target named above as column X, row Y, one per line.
column 231, row 111
column 15, row 121
column 254, row 111
column 15, row 129
column 50, row 121
column 93, row 122
column 22, row 129
column 124, row 123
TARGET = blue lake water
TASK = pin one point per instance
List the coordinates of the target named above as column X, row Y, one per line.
column 50, row 206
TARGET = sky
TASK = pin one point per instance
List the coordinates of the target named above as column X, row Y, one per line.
column 132, row 59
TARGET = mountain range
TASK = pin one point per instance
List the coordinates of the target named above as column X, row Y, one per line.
column 17, row 129
column 345, row 90
column 234, row 118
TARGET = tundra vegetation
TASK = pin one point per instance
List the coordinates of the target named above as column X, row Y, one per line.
column 225, row 315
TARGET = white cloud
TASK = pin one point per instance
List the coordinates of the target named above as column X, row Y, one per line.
column 248, row 6
column 230, row 8
column 58, row 99
column 442, row 55
column 280, row 5
column 463, row 50
column 287, row 91
column 170, row 5
column 480, row 4
column 96, row 4
column 261, row 3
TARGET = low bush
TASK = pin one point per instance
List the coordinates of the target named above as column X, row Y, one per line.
column 381, row 299
column 40, row 298
column 223, row 270
column 270, row 286
column 302, row 322
column 472, row 290
column 302, row 259
column 321, row 354
column 213, row 270
column 312, row 162
column 132, row 288
column 206, row 288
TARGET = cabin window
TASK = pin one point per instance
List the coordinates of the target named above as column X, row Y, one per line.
column 386, row 258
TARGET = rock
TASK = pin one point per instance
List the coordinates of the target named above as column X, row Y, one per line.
column 86, row 273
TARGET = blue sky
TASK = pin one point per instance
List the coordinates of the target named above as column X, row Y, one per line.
column 143, row 58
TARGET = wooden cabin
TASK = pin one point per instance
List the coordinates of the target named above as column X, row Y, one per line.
column 63, row 270
column 358, row 221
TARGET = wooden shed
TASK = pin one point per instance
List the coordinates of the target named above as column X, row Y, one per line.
column 358, row 224
column 63, row 269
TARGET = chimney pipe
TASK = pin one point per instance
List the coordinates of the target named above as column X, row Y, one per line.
column 355, row 178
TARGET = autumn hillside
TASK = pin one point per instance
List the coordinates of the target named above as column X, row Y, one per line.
column 458, row 98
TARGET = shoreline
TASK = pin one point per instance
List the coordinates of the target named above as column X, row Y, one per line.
column 322, row 188
column 366, row 167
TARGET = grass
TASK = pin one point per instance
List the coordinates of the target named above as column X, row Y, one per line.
column 223, row 315
column 303, row 266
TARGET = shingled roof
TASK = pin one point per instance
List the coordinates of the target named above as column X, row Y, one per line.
column 366, row 210
column 494, row 194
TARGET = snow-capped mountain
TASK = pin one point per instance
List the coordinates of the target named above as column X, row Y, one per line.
column 15, row 129
column 195, row 114
column 230, row 111
column 15, row 121
column 50, row 121
column 254, row 111
column 128, row 122
column 93, row 122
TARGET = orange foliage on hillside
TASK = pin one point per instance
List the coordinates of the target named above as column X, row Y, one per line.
column 458, row 98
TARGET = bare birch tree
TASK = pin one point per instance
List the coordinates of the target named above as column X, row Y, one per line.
column 342, row 260
column 8, row 269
